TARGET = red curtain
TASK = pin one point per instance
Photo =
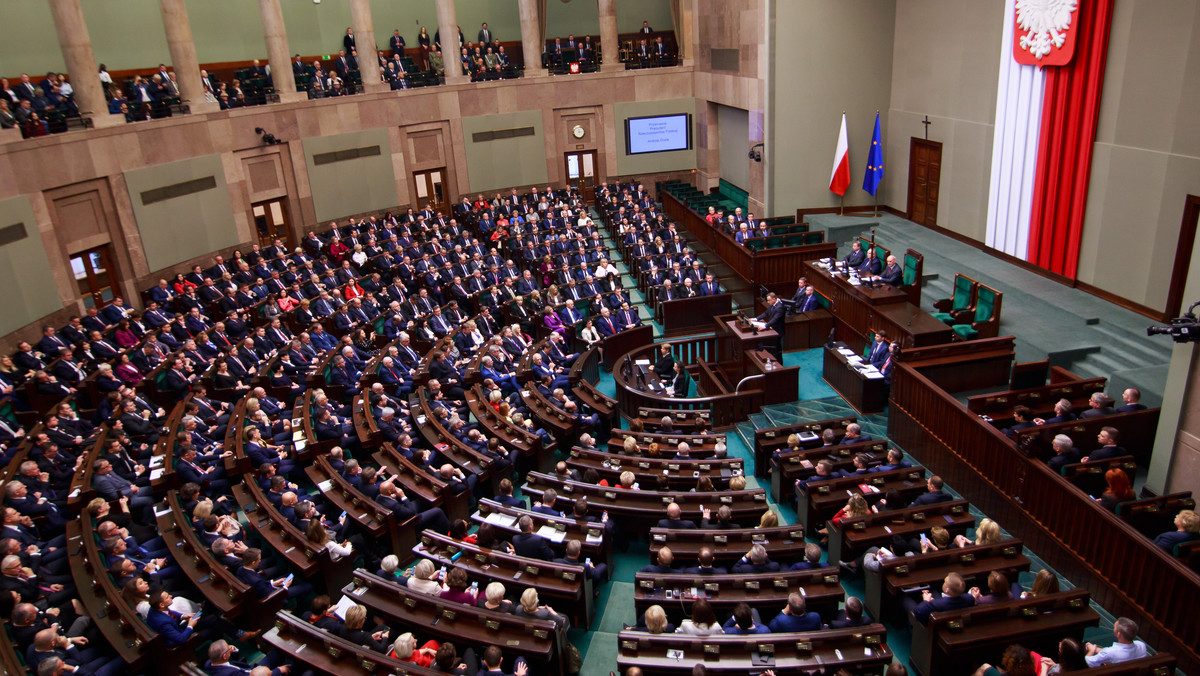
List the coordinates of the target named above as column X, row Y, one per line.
column 1070, row 112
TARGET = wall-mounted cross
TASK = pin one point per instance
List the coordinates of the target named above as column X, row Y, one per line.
column 926, row 122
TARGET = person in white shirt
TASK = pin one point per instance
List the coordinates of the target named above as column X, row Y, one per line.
column 1125, row 649
column 425, row 578
column 606, row 268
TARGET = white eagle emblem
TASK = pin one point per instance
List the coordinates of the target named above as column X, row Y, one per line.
column 1045, row 23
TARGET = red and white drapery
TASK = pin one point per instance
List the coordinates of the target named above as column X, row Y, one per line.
column 1045, row 129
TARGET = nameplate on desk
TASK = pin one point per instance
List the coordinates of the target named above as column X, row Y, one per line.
column 643, row 465
column 721, row 539
column 610, row 495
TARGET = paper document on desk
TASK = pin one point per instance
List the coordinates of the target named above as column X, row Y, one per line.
column 499, row 519
column 343, row 604
column 157, row 461
column 873, row 375
column 854, row 359
column 595, row 539
column 156, row 474
column 642, row 362
column 846, row 351
column 552, row 534
column 854, row 281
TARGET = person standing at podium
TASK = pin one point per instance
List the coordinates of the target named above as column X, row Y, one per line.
column 773, row 317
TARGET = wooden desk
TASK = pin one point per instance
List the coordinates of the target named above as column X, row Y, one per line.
column 857, row 311
column 734, row 341
column 784, row 544
column 818, row 501
column 865, row 394
column 768, row 592
column 952, row 642
column 863, row 650
column 329, row 653
column 852, row 537
column 802, row 464
column 770, row 439
column 592, row 535
column 974, row 563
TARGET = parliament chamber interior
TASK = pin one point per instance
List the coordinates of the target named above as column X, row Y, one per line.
column 618, row 337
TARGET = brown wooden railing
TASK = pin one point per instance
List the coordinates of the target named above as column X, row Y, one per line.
column 1124, row 571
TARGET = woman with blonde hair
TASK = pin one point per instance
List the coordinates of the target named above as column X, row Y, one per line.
column 769, row 520
column 405, row 649
column 425, row 578
column 737, row 483
column 656, row 622
column 626, row 480
column 629, row 446
column 530, row 608
column 493, row 598
column 352, row 630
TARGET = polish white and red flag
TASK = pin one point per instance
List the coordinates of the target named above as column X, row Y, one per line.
column 839, row 180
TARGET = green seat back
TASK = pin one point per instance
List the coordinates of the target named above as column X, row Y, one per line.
column 910, row 270
column 822, row 301
column 985, row 304
column 798, row 228
column 774, row 242
column 814, row 237
column 754, row 244
column 794, row 240
column 962, row 293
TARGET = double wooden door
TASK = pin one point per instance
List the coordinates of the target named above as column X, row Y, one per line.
column 924, row 175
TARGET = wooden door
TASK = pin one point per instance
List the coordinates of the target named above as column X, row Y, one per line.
column 270, row 222
column 924, row 175
column 430, row 188
column 95, row 276
column 581, row 172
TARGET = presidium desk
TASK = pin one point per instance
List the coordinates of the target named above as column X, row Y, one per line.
column 859, row 310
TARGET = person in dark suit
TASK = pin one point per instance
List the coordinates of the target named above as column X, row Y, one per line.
column 493, row 659
column 807, row 299
column 706, row 567
column 934, row 494
column 594, row 571
column 1063, row 412
column 795, row 617
column 854, row 435
column 674, row 520
column 530, row 544
column 892, row 272
column 396, row 42
column 755, row 561
column 348, row 40
column 663, row 563
column 1100, row 405
column 1065, row 453
column 666, row 293
column 856, row 256
column 871, row 265
column 506, row 495
column 1108, row 439
column 953, row 597
column 1132, row 397
column 774, row 317
column 259, row 584
column 851, row 616
column 879, row 350
column 1024, row 420
column 679, row 383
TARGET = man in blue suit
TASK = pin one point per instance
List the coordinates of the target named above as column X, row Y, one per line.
column 879, row 350
column 807, row 302
column 606, row 325
column 795, row 617
column 259, row 584
column 953, row 598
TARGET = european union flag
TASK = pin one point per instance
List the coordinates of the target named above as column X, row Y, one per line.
column 874, row 173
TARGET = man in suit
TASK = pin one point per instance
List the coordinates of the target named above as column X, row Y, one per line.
column 259, row 584
column 879, row 349
column 850, row 616
column 709, row 287
column 493, row 659
column 506, row 495
column 1108, row 439
column 1062, row 413
column 396, row 42
column 892, row 273
column 953, row 597
column 1065, row 453
column 706, row 567
column 855, row 258
column 530, row 544
column 795, row 617
column 674, row 519
column 755, row 561
column 807, row 299
column 348, row 40
column 605, row 324
column 595, row 571
column 1024, row 420
column 666, row 292
column 934, row 493
column 628, row 317
column 663, row 563
column 485, row 34
column 1099, row 405
column 1131, row 396
column 774, row 318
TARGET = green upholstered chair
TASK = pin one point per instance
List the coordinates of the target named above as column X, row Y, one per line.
column 881, row 252
column 986, row 323
column 774, row 242
column 814, row 237
column 914, row 267
column 793, row 240
column 755, row 244
column 959, row 307
column 797, row 228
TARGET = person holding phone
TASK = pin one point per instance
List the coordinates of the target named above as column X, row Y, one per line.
column 263, row 587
